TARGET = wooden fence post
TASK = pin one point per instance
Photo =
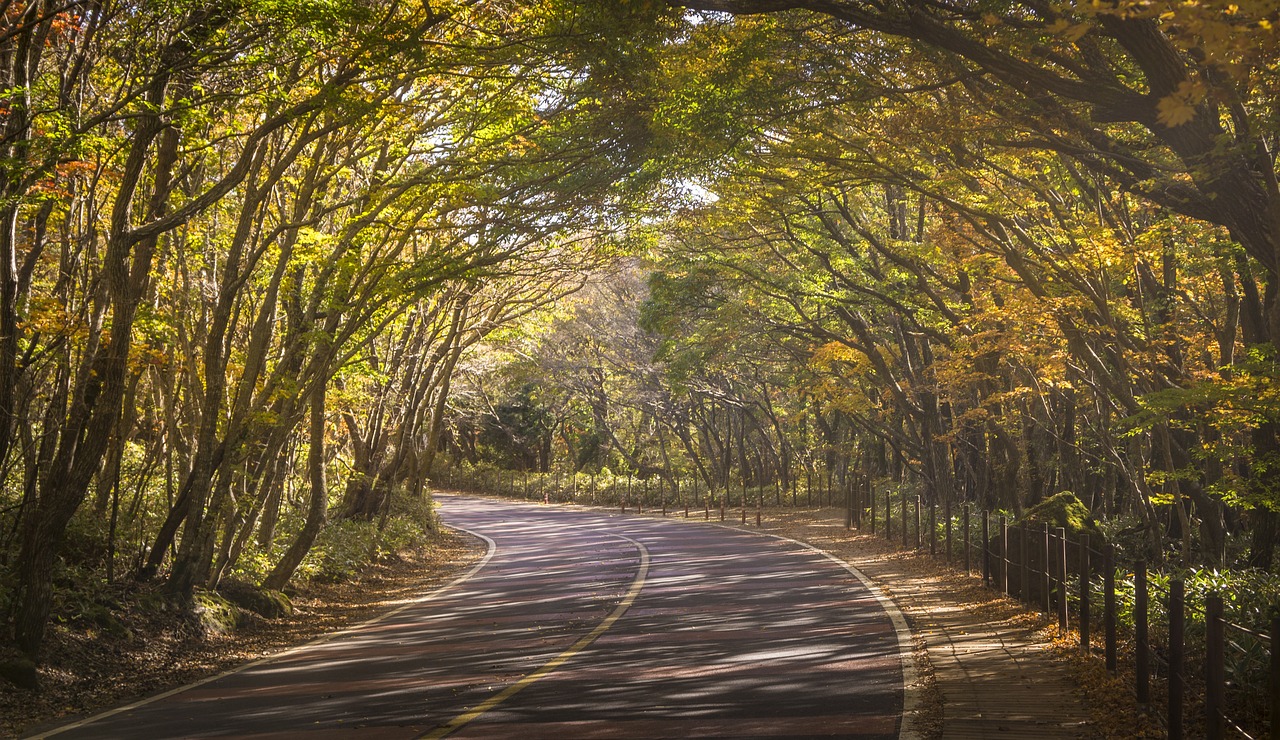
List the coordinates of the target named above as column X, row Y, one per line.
column 1109, row 605
column 986, row 548
column 849, row 504
column 1141, row 638
column 968, row 540
column 1046, row 579
column 1084, row 593
column 1215, row 682
column 919, row 522
column 888, row 515
column 871, row 498
column 906, row 526
column 1177, row 657
column 1004, row 555
column 1061, row 548
column 855, row 486
column 1024, row 567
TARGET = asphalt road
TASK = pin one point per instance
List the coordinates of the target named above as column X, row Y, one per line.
column 579, row 624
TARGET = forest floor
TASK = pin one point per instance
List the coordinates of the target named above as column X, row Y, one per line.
column 145, row 650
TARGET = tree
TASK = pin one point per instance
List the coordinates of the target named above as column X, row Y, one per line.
column 1169, row 105
column 214, row 211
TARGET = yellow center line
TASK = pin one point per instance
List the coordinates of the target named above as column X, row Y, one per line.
column 466, row 717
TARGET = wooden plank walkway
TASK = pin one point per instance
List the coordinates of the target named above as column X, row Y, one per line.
column 994, row 679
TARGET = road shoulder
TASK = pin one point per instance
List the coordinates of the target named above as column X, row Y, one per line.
column 986, row 673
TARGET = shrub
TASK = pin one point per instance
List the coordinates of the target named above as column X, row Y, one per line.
column 346, row 546
column 1249, row 597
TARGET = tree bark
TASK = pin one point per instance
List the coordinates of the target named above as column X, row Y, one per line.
column 318, row 502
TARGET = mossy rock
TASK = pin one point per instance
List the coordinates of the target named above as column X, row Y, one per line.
column 264, row 602
column 19, row 671
column 1069, row 512
column 215, row 614
column 1063, row 510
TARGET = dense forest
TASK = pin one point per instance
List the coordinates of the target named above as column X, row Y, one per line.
column 271, row 269
column 988, row 251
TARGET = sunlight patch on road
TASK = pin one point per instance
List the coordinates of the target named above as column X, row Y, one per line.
column 637, row 585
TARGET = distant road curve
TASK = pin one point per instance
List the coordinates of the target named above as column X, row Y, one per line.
column 578, row 624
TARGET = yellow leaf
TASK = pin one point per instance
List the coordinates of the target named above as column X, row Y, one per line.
column 1076, row 32
column 1179, row 107
column 1070, row 31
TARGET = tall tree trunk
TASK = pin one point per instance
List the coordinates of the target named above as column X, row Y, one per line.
column 318, row 504
column 99, row 392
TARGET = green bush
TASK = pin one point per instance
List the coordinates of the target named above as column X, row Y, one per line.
column 1249, row 598
column 346, row 546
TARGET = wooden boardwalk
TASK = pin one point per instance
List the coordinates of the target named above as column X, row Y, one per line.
column 995, row 681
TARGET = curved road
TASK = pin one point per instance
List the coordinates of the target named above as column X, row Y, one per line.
column 578, row 624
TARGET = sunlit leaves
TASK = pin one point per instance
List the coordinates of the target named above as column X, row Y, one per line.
column 1180, row 106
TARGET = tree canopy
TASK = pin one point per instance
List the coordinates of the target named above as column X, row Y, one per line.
column 268, row 267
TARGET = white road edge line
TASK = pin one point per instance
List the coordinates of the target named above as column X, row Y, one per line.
column 911, row 699
column 906, row 645
column 492, row 548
